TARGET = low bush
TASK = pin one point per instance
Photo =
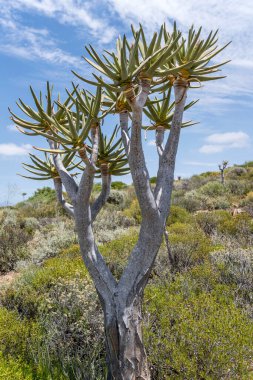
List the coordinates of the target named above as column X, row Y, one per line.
column 133, row 211
column 14, row 236
column 196, row 336
column 188, row 246
column 235, row 268
column 178, row 215
column 26, row 294
column 51, row 240
column 11, row 369
column 116, row 198
column 118, row 185
column 212, row 189
column 72, row 323
column 117, row 251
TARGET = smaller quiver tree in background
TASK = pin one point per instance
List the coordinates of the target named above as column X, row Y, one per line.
column 138, row 78
column 222, row 168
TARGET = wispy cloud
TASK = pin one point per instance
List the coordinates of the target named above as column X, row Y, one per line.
column 218, row 142
column 199, row 163
column 234, row 20
column 31, row 43
column 11, row 149
column 72, row 12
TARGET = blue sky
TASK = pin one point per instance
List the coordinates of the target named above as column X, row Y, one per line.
column 44, row 39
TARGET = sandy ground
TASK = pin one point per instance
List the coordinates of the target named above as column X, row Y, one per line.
column 6, row 279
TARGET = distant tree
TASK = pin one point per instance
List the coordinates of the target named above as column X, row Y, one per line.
column 24, row 195
column 222, row 168
column 131, row 76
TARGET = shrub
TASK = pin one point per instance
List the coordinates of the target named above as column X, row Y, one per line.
column 188, row 245
column 235, row 267
column 210, row 222
column 11, row 369
column 49, row 241
column 117, row 251
column 212, row 189
column 116, row 198
column 178, row 214
column 72, row 323
column 26, row 294
column 193, row 201
column 118, row 185
column 133, row 211
column 237, row 187
column 111, row 224
column 13, row 333
column 196, row 336
column 13, row 239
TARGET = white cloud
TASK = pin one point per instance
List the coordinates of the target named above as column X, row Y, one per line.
column 11, row 149
column 234, row 20
column 199, row 163
column 218, row 142
column 12, row 128
column 30, row 43
column 72, row 12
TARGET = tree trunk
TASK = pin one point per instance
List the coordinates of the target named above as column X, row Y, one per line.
column 125, row 350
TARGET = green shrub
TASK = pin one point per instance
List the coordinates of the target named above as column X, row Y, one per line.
column 133, row 211
column 211, row 221
column 189, row 246
column 11, row 369
column 212, row 189
column 26, row 294
column 73, row 339
column 13, row 239
column 117, row 251
column 237, row 187
column 16, row 338
column 118, row 185
column 196, row 336
column 116, row 198
column 178, row 214
column 235, row 268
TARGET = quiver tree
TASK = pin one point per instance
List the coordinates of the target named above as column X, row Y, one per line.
column 222, row 168
column 126, row 84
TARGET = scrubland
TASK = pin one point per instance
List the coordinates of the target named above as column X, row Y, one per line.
column 198, row 305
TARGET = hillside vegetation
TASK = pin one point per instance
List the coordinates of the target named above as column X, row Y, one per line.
column 198, row 306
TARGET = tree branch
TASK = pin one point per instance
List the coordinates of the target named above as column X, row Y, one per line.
column 123, row 117
column 58, row 189
column 159, row 141
column 103, row 196
column 67, row 180
column 136, row 157
column 165, row 176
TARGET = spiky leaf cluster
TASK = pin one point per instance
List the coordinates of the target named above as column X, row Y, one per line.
column 166, row 57
column 111, row 154
column 160, row 112
column 45, row 169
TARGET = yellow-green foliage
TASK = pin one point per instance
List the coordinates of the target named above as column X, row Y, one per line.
column 189, row 245
column 196, row 334
column 133, row 211
column 26, row 294
column 117, row 251
column 11, row 369
column 178, row 215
